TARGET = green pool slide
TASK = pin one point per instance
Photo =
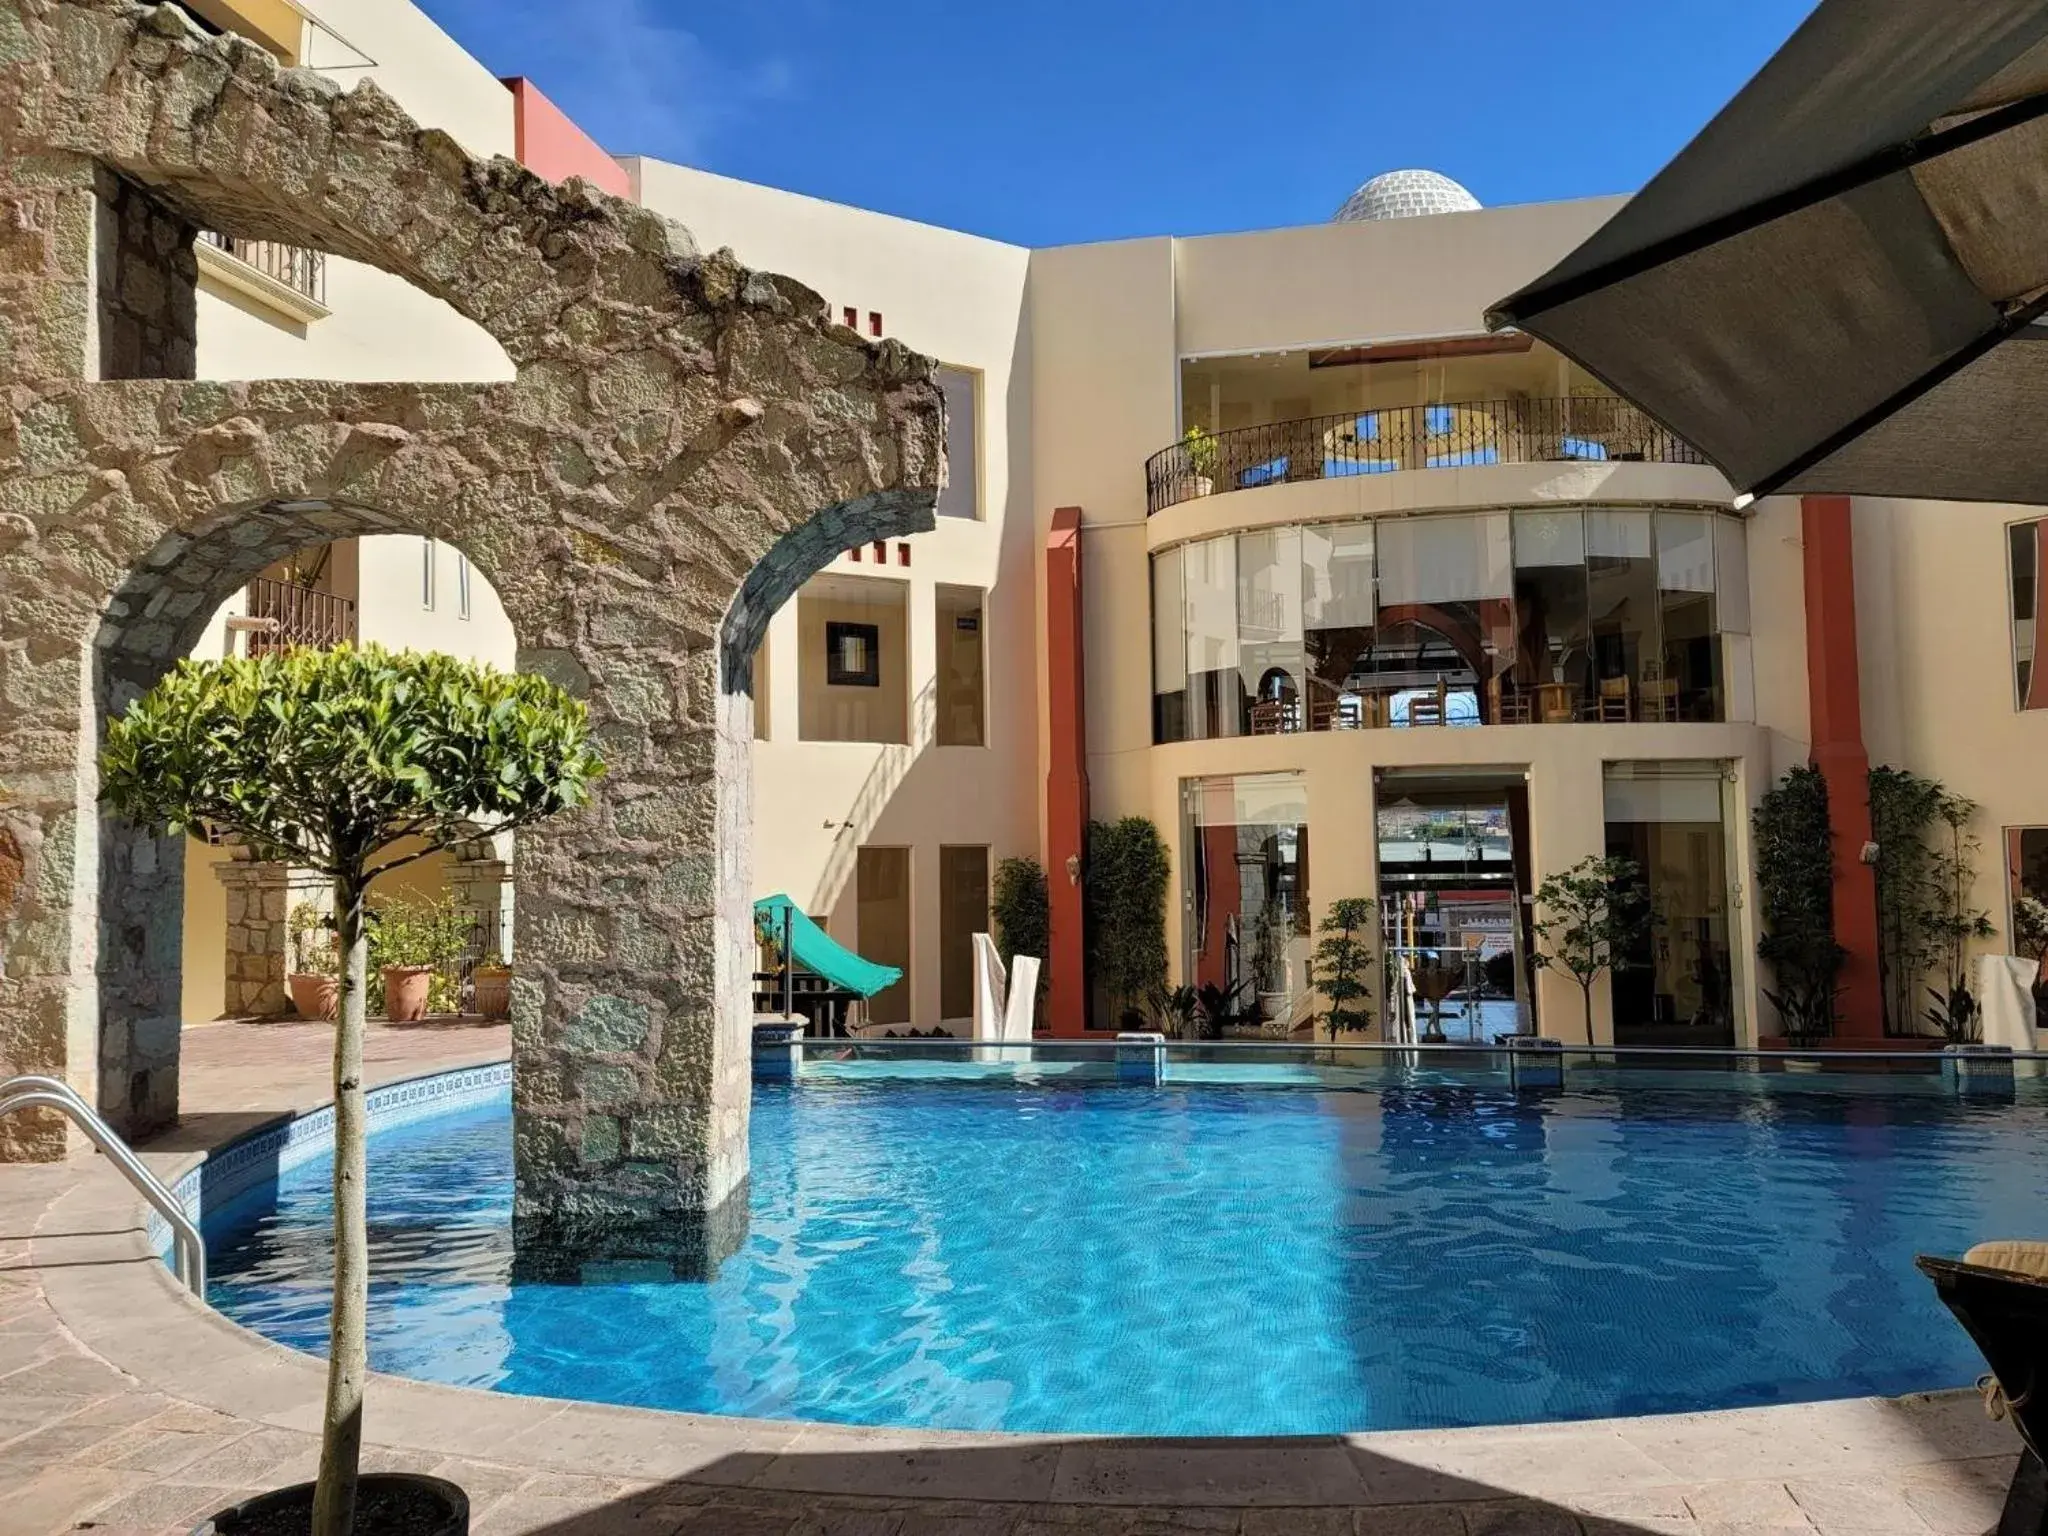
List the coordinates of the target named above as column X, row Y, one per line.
column 815, row 950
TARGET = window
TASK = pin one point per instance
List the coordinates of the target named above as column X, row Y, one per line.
column 881, row 880
column 1245, row 892
column 959, row 691
column 962, row 495
column 963, row 912
column 853, row 655
column 427, row 573
column 2026, row 869
column 2025, row 543
column 461, row 584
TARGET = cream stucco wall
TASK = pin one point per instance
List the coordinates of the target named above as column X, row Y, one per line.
column 960, row 299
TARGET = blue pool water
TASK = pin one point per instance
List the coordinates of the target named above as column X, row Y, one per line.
column 1216, row 1259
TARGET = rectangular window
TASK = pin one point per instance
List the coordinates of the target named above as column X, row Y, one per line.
column 1687, row 683
column 2025, row 543
column 1621, row 588
column 1338, row 613
column 959, row 687
column 1446, row 620
column 881, row 880
column 853, row 655
column 1216, row 700
column 426, row 573
column 2026, row 869
column 1269, row 629
column 462, row 584
column 757, row 688
column 962, row 495
column 963, row 912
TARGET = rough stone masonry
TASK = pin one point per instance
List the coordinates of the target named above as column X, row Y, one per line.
column 685, row 443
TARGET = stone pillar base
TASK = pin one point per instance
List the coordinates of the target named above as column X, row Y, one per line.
column 690, row 1246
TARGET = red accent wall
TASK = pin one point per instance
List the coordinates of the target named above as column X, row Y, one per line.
column 1066, row 781
column 1835, row 706
column 549, row 144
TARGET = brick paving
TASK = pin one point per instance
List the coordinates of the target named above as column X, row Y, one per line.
column 125, row 1409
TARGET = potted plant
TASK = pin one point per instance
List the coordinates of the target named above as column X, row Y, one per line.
column 492, row 980
column 1342, row 965
column 1123, row 894
column 314, row 980
column 411, row 942
column 1178, row 1009
column 1795, row 885
column 287, row 749
column 1593, row 915
column 1201, row 450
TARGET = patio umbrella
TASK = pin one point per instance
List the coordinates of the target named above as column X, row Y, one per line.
column 1839, row 285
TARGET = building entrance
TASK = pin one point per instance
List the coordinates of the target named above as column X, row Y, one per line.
column 1454, row 907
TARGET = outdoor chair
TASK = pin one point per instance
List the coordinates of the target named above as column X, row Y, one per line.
column 1614, row 699
column 1999, row 1293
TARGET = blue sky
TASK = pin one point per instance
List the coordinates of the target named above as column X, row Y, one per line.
column 1055, row 121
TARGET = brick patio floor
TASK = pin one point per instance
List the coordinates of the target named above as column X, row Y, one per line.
column 125, row 1408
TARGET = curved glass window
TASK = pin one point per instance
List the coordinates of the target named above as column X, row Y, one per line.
column 1537, row 616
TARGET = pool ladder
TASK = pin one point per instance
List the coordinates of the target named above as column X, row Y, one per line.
column 189, row 1251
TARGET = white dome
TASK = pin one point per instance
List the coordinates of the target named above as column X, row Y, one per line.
column 1405, row 195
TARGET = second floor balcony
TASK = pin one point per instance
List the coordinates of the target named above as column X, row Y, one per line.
column 285, row 614
column 1582, row 428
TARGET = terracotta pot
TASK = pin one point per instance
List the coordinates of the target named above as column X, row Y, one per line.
column 493, row 990
column 405, row 992
column 407, row 1501
column 314, row 997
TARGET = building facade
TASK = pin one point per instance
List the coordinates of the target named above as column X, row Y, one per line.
column 1262, row 537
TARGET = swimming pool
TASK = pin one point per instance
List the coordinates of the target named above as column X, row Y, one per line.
column 1406, row 1250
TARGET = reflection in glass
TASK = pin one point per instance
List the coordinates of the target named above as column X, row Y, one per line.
column 1678, row 988
column 1621, row 598
column 2026, row 541
column 1490, row 618
column 1245, row 863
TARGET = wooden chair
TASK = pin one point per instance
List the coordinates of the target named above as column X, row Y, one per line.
column 1614, row 699
column 1510, row 705
column 1659, row 694
column 1431, row 707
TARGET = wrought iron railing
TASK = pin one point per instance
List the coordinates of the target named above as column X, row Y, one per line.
column 299, row 269
column 1583, row 428
column 283, row 614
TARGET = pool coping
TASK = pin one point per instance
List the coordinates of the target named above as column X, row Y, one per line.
column 102, row 1277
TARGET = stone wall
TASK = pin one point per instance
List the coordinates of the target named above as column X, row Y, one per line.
column 686, row 442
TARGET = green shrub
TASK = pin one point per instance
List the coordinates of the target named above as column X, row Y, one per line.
column 1124, row 895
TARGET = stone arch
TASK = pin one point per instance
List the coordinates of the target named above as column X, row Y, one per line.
column 676, row 422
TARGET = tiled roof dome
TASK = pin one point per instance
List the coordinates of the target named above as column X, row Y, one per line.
column 1404, row 195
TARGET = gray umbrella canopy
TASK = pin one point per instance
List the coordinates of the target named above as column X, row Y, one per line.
column 1836, row 286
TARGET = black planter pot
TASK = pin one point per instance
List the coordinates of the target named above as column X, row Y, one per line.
column 387, row 1504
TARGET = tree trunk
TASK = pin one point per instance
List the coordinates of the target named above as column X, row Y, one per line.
column 1586, row 996
column 341, row 1427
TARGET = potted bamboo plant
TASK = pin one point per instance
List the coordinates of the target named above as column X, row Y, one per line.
column 334, row 760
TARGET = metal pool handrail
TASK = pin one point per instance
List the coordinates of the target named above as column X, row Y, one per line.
column 33, row 1092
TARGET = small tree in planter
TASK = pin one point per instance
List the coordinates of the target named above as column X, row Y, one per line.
column 1343, row 965
column 1795, row 890
column 327, row 759
column 1591, row 916
column 1124, row 896
column 1021, row 916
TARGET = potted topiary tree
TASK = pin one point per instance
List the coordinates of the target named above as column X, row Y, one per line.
column 329, row 759
column 1795, row 883
column 1202, row 453
column 1343, row 965
column 1593, row 914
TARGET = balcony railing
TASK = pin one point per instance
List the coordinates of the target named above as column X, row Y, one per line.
column 1582, row 429
column 299, row 269
column 283, row 614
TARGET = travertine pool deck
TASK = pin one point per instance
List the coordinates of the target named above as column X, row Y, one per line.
column 126, row 1407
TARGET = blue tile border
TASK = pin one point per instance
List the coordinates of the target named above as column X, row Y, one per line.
column 260, row 1156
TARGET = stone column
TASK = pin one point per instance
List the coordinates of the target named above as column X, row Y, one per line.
column 257, row 942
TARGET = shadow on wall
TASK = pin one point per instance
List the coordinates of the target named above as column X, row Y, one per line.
column 891, row 768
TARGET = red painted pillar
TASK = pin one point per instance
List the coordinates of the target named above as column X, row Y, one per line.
column 1066, row 781
column 1835, row 707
